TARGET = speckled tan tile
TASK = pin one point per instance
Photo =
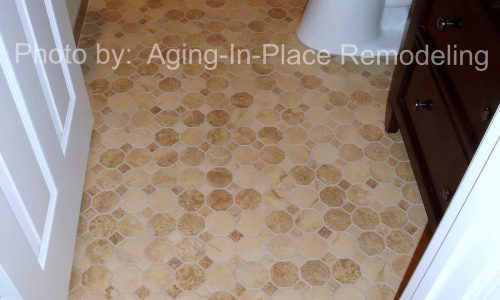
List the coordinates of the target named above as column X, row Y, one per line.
column 258, row 181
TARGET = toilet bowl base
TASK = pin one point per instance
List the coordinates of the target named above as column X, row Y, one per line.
column 330, row 25
column 388, row 42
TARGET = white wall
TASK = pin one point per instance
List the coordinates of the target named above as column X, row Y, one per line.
column 73, row 7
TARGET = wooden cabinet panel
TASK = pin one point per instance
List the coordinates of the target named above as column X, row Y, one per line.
column 436, row 137
column 443, row 111
column 466, row 30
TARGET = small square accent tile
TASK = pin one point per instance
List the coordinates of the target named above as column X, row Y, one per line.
column 174, row 263
column 236, row 236
column 174, row 291
column 142, row 292
column 126, row 147
column 269, row 288
column 205, row 262
column 238, row 290
column 153, row 147
column 324, row 232
column 116, row 238
column 149, row 189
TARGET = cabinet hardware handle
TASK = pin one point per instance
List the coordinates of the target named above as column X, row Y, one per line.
column 422, row 104
column 486, row 113
column 443, row 23
column 447, row 194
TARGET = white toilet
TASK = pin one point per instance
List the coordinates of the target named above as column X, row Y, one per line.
column 372, row 25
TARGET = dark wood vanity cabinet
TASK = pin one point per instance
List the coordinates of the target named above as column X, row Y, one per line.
column 443, row 111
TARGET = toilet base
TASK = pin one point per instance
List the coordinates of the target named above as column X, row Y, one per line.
column 370, row 25
column 388, row 41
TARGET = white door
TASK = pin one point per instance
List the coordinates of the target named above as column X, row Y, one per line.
column 45, row 126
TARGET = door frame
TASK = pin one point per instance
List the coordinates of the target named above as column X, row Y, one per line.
column 461, row 261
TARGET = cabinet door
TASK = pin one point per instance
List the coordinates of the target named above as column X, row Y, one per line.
column 438, row 143
column 466, row 29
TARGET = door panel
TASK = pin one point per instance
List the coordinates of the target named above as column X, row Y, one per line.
column 8, row 289
column 27, row 182
column 45, row 125
column 58, row 88
column 34, row 14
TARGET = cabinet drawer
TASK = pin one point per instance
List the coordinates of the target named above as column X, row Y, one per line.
column 452, row 22
column 438, row 144
column 467, row 25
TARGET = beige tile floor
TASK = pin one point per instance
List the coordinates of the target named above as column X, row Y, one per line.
column 245, row 182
